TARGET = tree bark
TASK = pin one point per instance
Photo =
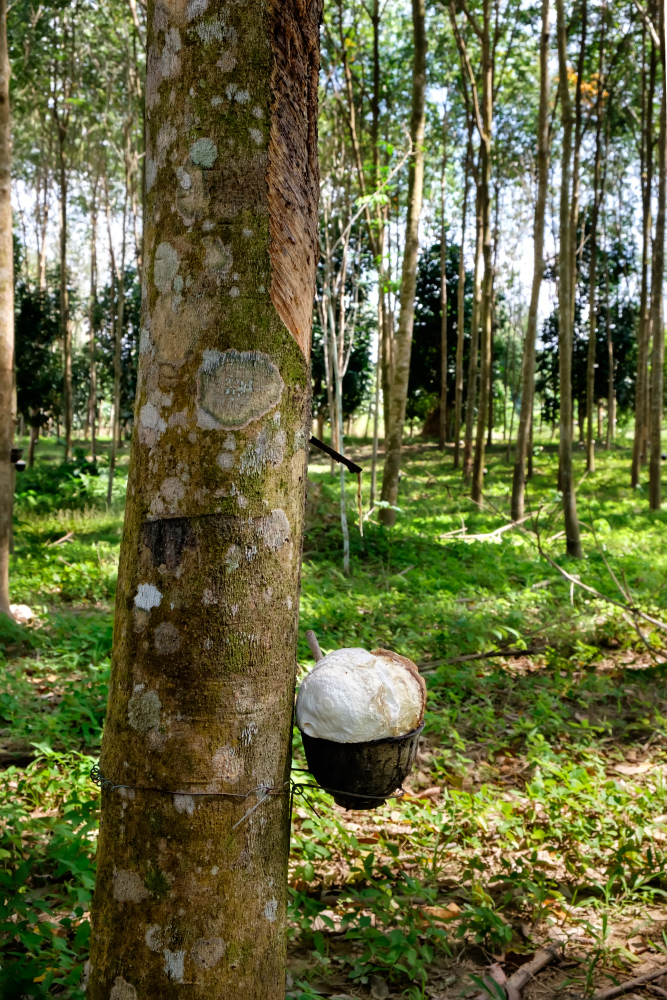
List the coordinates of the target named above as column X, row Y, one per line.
column 460, row 314
column 191, row 888
column 6, row 318
column 644, row 330
column 528, row 368
column 403, row 345
column 565, row 292
column 657, row 324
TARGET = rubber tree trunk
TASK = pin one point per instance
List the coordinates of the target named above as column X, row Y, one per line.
column 471, row 393
column 119, row 320
column 644, row 329
column 191, row 892
column 6, row 319
column 565, row 272
column 460, row 313
column 403, row 342
column 598, row 194
column 477, row 490
column 657, row 323
column 65, row 316
column 528, row 368
column 92, row 324
column 442, row 427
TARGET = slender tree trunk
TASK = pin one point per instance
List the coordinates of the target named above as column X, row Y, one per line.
column 34, row 434
column 565, row 292
column 598, row 195
column 644, row 330
column 528, row 368
column 487, row 290
column 610, row 353
column 92, row 320
column 471, row 395
column 442, row 430
column 376, row 414
column 43, row 221
column 65, row 317
column 192, row 857
column 119, row 273
column 401, row 366
column 6, row 319
column 460, row 314
column 658, row 355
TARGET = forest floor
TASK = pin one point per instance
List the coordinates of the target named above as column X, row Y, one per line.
column 537, row 814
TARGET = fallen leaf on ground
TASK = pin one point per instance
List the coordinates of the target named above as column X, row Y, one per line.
column 447, row 912
column 633, row 768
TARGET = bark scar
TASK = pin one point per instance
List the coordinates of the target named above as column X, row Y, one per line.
column 293, row 173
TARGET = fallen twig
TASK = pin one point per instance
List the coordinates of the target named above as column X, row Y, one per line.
column 628, row 985
column 479, row 656
column 59, row 541
column 525, row 973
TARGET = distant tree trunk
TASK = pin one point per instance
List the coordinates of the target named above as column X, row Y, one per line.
column 191, row 889
column 528, row 369
column 487, row 288
column 658, row 355
column 403, row 346
column 92, row 320
column 34, row 435
column 471, row 394
column 376, row 413
column 42, row 211
column 119, row 274
column 598, row 194
column 496, row 244
column 65, row 317
column 610, row 352
column 565, row 292
column 6, row 319
column 576, row 160
column 442, row 430
column 644, row 330
column 460, row 314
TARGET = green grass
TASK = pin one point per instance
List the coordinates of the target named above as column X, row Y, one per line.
column 545, row 813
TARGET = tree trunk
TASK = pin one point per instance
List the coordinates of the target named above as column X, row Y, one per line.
column 487, row 290
column 460, row 314
column 471, row 395
column 65, row 317
column 92, row 320
column 565, row 292
column 119, row 274
column 6, row 319
column 403, row 345
column 610, row 352
column 598, row 195
column 34, row 435
column 442, row 430
column 191, row 888
column 658, row 355
column 644, row 330
column 528, row 368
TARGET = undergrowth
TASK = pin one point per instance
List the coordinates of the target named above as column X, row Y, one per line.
column 538, row 806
